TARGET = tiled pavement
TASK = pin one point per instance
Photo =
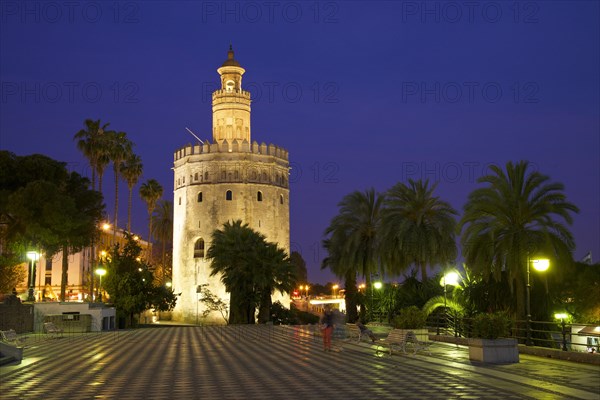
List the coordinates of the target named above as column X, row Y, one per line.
column 272, row 362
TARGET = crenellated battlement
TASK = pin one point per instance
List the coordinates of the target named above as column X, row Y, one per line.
column 231, row 93
column 235, row 146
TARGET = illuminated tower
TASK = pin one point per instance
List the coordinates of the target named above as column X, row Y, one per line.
column 231, row 178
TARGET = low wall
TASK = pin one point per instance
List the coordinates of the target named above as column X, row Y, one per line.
column 101, row 317
column 576, row 356
column 16, row 315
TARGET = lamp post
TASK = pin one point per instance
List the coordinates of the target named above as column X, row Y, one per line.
column 376, row 286
column 100, row 272
column 33, row 256
column 539, row 265
column 334, row 289
column 562, row 317
column 449, row 278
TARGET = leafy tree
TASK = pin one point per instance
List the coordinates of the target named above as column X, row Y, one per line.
column 131, row 170
column 577, row 293
column 212, row 303
column 119, row 149
column 130, row 284
column 66, row 218
column 300, row 266
column 12, row 272
column 512, row 219
column 353, row 243
column 418, row 228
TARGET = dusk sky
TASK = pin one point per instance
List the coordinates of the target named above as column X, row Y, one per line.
column 362, row 93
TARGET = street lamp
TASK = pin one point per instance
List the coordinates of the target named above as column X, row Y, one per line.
column 100, row 272
column 335, row 287
column 541, row 265
column 563, row 317
column 33, row 256
column 449, row 278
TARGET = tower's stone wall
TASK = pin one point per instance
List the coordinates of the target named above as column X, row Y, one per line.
column 226, row 180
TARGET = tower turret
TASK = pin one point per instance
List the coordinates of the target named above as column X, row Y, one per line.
column 231, row 104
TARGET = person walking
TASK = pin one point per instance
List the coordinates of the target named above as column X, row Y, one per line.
column 364, row 331
column 327, row 327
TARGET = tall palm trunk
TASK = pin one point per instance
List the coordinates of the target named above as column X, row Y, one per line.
column 65, row 268
column 116, row 202
column 129, row 203
column 150, row 238
column 264, row 310
column 350, row 296
column 164, row 265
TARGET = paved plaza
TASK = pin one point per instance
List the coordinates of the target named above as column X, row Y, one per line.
column 272, row 362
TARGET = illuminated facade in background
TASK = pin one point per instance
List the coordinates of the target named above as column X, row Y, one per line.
column 49, row 269
column 228, row 179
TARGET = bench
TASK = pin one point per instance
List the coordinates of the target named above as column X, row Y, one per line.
column 52, row 330
column 10, row 336
column 355, row 332
column 401, row 338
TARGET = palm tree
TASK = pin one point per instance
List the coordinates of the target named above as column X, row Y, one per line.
column 91, row 142
column 233, row 254
column 131, row 170
column 119, row 150
column 418, row 226
column 513, row 218
column 275, row 272
column 163, row 229
column 150, row 192
column 353, row 243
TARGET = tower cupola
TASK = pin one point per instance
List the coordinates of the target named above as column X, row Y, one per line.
column 231, row 104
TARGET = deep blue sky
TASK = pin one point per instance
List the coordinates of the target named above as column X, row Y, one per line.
column 362, row 94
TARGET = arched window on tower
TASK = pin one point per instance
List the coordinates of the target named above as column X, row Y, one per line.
column 199, row 197
column 259, row 196
column 229, row 195
column 199, row 248
column 280, row 199
column 206, row 176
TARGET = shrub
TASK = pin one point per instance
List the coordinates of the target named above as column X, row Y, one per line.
column 283, row 316
column 410, row 318
column 491, row 326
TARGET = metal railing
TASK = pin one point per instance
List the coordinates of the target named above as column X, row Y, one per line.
column 555, row 335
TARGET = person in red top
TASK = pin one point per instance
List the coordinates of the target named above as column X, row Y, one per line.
column 327, row 328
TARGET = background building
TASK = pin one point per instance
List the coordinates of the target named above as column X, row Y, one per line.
column 49, row 269
column 229, row 179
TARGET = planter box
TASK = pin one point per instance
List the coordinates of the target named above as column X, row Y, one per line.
column 494, row 351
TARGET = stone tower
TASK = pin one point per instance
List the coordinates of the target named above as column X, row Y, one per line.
column 231, row 178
